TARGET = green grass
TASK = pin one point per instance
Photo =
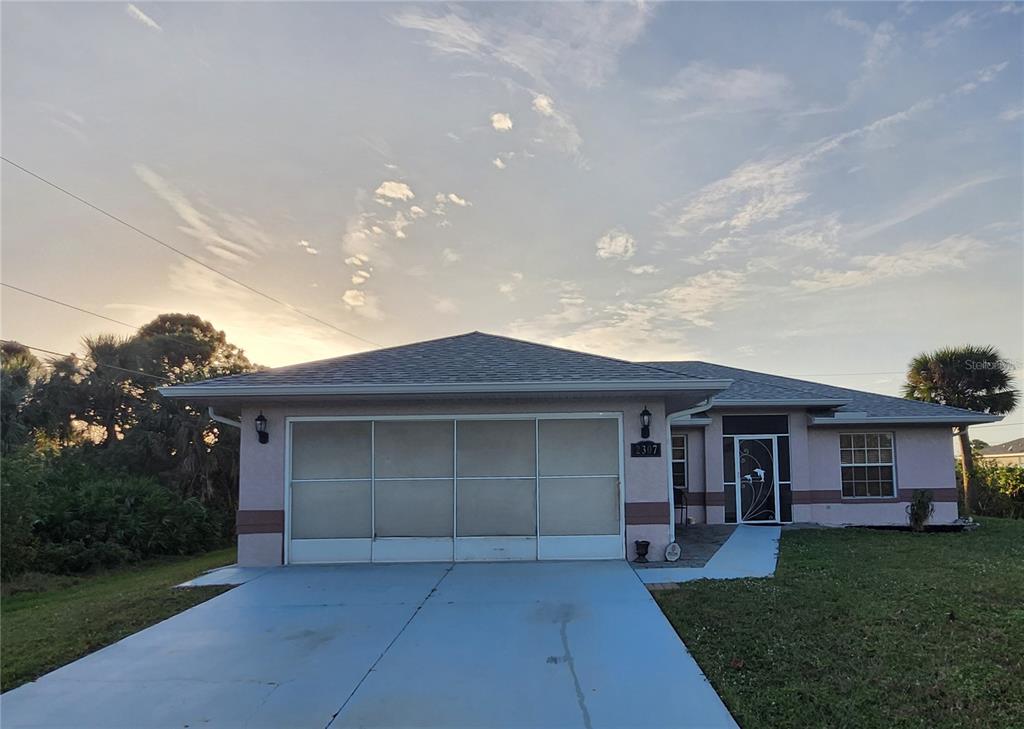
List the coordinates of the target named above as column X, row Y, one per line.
column 49, row 620
column 866, row 628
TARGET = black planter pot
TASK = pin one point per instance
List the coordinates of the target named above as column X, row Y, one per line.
column 642, row 547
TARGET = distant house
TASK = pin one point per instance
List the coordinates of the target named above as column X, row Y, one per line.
column 480, row 447
column 1010, row 453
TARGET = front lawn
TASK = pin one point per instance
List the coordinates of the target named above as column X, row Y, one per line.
column 48, row 621
column 863, row 628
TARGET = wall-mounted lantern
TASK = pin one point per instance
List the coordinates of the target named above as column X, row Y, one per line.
column 645, row 423
column 261, row 428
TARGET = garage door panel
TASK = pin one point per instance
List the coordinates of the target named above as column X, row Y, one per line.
column 330, row 449
column 579, row 506
column 578, row 447
column 497, row 448
column 331, row 510
column 496, row 508
column 413, row 508
column 414, row 449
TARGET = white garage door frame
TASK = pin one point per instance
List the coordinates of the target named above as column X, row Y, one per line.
column 445, row 549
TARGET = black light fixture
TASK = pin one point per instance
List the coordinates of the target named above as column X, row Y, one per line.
column 645, row 423
column 261, row 428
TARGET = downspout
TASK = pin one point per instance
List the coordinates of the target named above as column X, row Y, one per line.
column 222, row 419
column 698, row 408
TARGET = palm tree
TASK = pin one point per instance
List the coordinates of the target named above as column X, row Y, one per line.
column 970, row 377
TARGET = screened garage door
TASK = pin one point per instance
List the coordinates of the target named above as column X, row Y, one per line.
column 403, row 489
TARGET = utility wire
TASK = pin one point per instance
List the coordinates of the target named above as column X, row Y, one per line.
column 191, row 345
column 97, row 364
column 182, row 253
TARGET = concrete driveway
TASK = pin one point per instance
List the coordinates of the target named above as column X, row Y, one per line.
column 557, row 644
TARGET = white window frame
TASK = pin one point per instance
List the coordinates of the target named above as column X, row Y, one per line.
column 390, row 549
column 894, row 496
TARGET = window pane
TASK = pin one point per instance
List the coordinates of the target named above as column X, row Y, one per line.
column 885, row 440
column 845, row 440
column 783, row 446
column 588, row 505
column 871, row 440
column 728, row 460
column 679, row 474
column 785, row 502
column 730, row 503
column 497, row 448
column 847, row 488
column 579, row 447
column 885, row 455
column 330, row 449
column 755, row 424
column 496, row 507
column 413, row 508
column 858, row 440
column 413, row 448
column 331, row 510
column 860, row 456
column 845, row 456
column 874, row 488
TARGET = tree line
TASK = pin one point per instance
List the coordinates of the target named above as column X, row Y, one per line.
column 98, row 467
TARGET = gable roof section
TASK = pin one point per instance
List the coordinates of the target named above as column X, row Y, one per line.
column 1010, row 447
column 474, row 362
column 848, row 406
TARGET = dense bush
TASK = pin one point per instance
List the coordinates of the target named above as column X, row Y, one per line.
column 60, row 515
column 1000, row 490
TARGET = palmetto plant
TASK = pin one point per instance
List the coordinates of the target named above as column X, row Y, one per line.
column 971, row 377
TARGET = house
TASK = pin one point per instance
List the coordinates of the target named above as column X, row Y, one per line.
column 481, row 447
column 1010, row 453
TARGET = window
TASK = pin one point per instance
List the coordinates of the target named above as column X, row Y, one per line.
column 678, row 459
column 868, row 464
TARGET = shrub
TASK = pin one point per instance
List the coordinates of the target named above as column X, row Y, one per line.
column 1001, row 490
column 70, row 517
column 920, row 509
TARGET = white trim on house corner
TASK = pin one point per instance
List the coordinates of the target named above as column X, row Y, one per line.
column 906, row 419
column 441, row 388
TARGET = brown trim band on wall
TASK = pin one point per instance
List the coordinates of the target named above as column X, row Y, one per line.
column 714, row 498
column 260, row 521
column 647, row 512
column 835, row 496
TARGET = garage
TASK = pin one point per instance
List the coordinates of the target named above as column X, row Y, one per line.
column 462, row 488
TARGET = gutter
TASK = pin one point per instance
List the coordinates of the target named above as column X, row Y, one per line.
column 221, row 419
column 908, row 419
column 795, row 402
column 219, row 391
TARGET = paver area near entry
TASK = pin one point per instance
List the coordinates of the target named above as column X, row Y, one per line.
column 556, row 644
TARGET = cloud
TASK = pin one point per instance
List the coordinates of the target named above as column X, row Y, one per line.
column 558, row 127
column 939, row 33
column 576, row 41
column 499, row 163
column 140, row 16
column 1012, row 113
column 461, row 202
column 445, row 306
column 362, row 303
column 450, row 255
column 501, row 121
column 358, row 260
column 360, row 277
column 509, row 287
column 643, row 270
column 703, row 89
column 199, row 226
column 394, row 190
column 616, row 243
column 764, row 190
column 954, row 252
column 542, row 104
column 304, row 245
column 398, row 224
column 417, row 212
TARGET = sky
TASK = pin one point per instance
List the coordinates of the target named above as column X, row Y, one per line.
column 811, row 189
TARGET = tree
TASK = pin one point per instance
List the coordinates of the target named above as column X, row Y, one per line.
column 969, row 377
column 19, row 371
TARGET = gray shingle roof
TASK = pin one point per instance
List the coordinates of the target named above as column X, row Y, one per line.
column 1002, row 449
column 467, row 358
column 749, row 385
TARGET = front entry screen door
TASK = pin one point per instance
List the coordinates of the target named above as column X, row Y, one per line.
column 757, row 482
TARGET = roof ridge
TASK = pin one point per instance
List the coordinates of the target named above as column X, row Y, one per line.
column 823, row 384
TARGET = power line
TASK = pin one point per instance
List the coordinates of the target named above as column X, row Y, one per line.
column 191, row 345
column 182, row 253
column 69, row 306
column 97, row 364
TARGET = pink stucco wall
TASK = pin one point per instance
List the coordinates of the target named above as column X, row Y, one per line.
column 924, row 460
column 262, row 473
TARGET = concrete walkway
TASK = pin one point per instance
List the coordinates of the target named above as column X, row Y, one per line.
column 550, row 644
column 751, row 551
